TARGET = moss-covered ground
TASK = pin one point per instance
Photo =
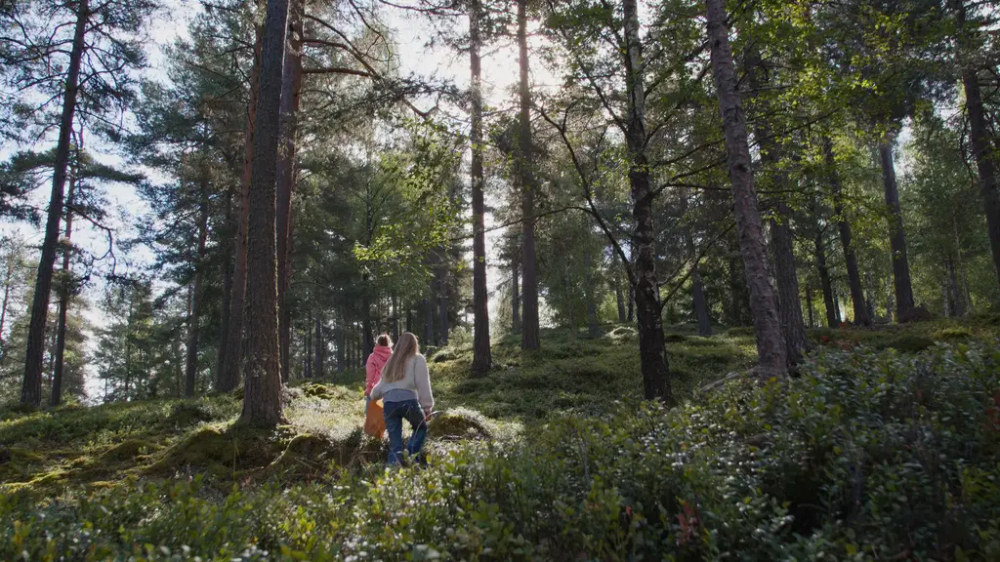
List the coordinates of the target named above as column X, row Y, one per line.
column 98, row 446
column 887, row 447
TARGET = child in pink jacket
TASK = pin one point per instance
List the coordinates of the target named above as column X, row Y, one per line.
column 373, row 367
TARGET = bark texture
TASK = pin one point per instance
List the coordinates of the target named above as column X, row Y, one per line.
column 616, row 283
column 442, row 296
column 763, row 301
column 698, row 299
column 592, row 321
column 31, row 388
column 197, row 291
column 291, row 86
column 319, row 346
column 897, row 235
column 55, row 398
column 482, row 356
column 515, row 299
column 861, row 317
column 832, row 314
column 529, row 187
column 230, row 357
column 790, row 308
column 261, row 369
column 979, row 132
column 652, row 350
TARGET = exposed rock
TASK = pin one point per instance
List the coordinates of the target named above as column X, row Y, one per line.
column 915, row 314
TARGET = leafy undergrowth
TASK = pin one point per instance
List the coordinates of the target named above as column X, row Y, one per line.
column 872, row 453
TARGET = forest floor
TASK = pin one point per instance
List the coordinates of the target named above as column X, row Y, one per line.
column 158, row 479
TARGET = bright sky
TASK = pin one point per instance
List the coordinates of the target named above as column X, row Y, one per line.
column 500, row 73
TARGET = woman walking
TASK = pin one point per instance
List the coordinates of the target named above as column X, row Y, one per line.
column 376, row 362
column 405, row 388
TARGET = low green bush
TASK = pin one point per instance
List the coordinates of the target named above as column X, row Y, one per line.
column 868, row 455
column 674, row 338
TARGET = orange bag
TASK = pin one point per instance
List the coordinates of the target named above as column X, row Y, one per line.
column 374, row 421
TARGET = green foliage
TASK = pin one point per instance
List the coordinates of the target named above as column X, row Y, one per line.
column 867, row 455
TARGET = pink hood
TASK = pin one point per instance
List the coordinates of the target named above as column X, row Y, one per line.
column 373, row 367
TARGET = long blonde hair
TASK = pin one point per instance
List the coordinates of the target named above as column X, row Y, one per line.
column 406, row 348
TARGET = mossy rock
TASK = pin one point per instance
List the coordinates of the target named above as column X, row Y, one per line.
column 448, row 426
column 444, row 355
column 308, row 454
column 224, row 453
column 15, row 463
column 184, row 414
column 475, row 385
column 674, row 338
column 622, row 333
column 909, row 343
column 573, row 350
column 701, row 341
column 317, row 390
column 127, row 450
column 915, row 314
column 680, row 374
column 952, row 334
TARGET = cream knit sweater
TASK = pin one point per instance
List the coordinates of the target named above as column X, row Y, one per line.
column 416, row 379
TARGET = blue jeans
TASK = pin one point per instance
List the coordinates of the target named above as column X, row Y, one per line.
column 395, row 413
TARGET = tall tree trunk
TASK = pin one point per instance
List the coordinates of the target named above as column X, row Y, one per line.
column 955, row 290
column 307, row 351
column 291, row 86
column 360, row 349
column 630, row 314
column 652, row 351
column 790, row 308
column 528, row 187
column 861, row 317
column 482, row 356
column 616, row 280
column 698, row 294
column 318, row 346
column 771, row 350
column 129, row 337
column 409, row 318
column 569, row 306
column 8, row 280
column 227, row 284
column 979, row 132
column 31, row 389
column 809, row 304
column 832, row 314
column 341, row 347
column 55, row 397
column 395, row 318
column 592, row 329
column 231, row 346
column 261, row 370
column 176, row 359
column 191, row 365
column 736, row 289
column 442, row 296
column 515, row 299
column 897, row 236
column 966, row 297
column 428, row 321
column 367, row 340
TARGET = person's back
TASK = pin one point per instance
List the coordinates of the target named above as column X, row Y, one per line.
column 376, row 362
column 405, row 388
column 415, row 385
